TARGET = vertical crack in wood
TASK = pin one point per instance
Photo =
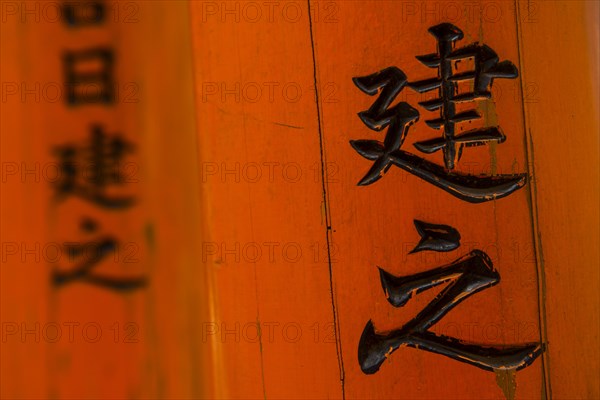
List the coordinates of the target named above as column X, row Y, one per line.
column 537, row 240
column 328, row 231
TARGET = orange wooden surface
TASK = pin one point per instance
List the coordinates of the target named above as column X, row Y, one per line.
column 373, row 225
column 262, row 195
column 158, row 355
column 260, row 249
column 563, row 143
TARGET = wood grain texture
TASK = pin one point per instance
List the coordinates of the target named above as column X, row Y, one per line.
column 261, row 251
column 373, row 225
column 263, row 204
column 559, row 54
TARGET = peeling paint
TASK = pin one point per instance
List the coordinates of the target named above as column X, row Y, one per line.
column 507, row 381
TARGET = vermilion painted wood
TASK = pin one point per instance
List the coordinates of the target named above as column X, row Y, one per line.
column 373, row 225
column 231, row 144
column 559, row 53
column 263, row 206
column 165, row 360
column 24, row 282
